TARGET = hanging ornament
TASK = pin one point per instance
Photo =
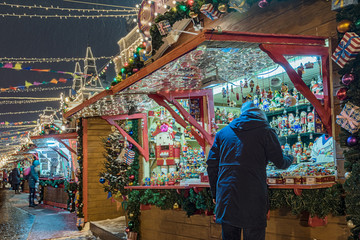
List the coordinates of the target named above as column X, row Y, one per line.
column 263, row 3
column 270, row 94
column 224, row 92
column 176, row 206
column 232, row 89
column 357, row 24
column 275, row 82
column 237, row 96
column 347, row 78
column 102, row 180
column 344, row 26
column 341, row 94
column 131, row 224
column 352, row 141
column 347, row 175
column 257, row 90
column 193, row 14
column 350, row 224
column 131, row 177
column 252, row 84
column 222, row 8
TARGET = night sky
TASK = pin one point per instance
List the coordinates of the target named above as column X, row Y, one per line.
column 46, row 38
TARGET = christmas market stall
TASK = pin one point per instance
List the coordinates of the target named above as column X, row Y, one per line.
column 173, row 93
column 55, row 147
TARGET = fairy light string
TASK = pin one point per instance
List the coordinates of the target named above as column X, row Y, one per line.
column 65, row 16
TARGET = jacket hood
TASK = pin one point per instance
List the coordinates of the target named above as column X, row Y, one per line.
column 251, row 117
column 36, row 163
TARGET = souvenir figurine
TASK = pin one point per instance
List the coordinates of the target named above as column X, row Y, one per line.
column 224, row 116
column 284, row 89
column 291, row 120
column 266, row 105
column 310, row 122
column 263, row 94
column 218, row 116
column 256, row 101
column 252, row 84
column 224, row 92
column 287, row 148
column 303, row 121
column 297, row 126
column 230, row 117
column 270, row 94
column 257, row 90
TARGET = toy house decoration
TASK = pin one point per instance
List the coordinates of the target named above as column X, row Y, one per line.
column 165, row 153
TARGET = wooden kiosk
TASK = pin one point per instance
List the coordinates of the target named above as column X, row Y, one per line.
column 275, row 34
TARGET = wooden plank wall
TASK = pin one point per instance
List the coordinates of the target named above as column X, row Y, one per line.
column 175, row 225
column 98, row 206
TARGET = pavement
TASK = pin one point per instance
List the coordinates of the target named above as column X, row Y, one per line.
column 20, row 222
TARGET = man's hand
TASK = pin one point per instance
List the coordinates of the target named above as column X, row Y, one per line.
column 214, row 201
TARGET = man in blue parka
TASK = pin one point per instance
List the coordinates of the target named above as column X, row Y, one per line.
column 237, row 173
column 33, row 178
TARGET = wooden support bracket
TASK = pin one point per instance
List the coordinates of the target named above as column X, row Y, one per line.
column 144, row 151
column 277, row 52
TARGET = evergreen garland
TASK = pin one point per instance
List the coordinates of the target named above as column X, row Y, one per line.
column 80, row 204
column 352, row 154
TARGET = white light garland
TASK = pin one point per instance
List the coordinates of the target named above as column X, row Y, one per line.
column 39, row 89
column 24, row 112
column 20, row 126
column 25, row 101
column 126, row 9
column 47, row 60
column 64, row 16
column 33, row 98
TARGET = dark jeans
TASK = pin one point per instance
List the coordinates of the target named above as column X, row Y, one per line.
column 16, row 187
column 233, row 233
column 32, row 196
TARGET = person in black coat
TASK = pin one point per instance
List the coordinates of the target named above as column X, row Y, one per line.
column 15, row 176
column 237, row 173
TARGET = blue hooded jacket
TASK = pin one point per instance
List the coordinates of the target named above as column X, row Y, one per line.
column 237, row 168
column 33, row 176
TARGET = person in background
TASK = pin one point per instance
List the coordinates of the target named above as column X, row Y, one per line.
column 237, row 173
column 33, row 178
column 15, row 180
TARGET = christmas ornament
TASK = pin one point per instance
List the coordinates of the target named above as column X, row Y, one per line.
column 347, row 78
column 337, row 5
column 347, row 175
column 222, row 8
column 193, row 14
column 131, row 133
column 263, row 3
column 131, row 177
column 341, row 94
column 239, row 5
column 176, row 206
column 347, row 50
column 352, row 141
column 164, row 27
column 252, row 84
column 131, row 224
column 127, row 230
column 275, row 82
column 357, row 24
column 343, row 26
column 349, row 118
column 350, row 224
column 290, row 101
column 209, row 11
column 102, row 180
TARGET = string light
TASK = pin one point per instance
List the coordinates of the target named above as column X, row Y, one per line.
column 38, row 89
column 65, row 16
column 24, row 112
column 25, row 101
column 47, row 60
column 130, row 9
column 32, row 98
column 99, row 4
column 23, row 126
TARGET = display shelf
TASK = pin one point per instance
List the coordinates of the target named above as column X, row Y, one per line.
column 299, row 187
column 294, row 136
column 157, row 187
column 288, row 109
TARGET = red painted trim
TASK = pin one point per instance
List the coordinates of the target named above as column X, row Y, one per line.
column 67, row 146
column 72, row 135
column 85, row 168
column 160, row 100
column 208, row 137
column 144, row 151
column 277, row 52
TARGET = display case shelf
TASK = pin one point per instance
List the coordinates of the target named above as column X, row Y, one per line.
column 288, row 109
column 307, row 134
